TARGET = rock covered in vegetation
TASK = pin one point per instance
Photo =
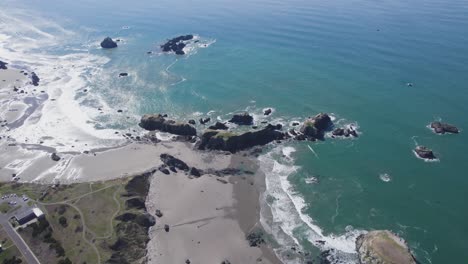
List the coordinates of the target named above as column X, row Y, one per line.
column 108, row 43
column 153, row 122
column 424, row 153
column 442, row 128
column 176, row 44
column 315, row 127
column 242, row 119
column 383, row 247
column 232, row 142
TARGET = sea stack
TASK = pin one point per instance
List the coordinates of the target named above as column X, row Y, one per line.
column 424, row 153
column 442, row 128
column 108, row 43
column 383, row 247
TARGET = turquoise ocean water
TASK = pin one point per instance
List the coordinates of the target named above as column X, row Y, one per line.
column 302, row 57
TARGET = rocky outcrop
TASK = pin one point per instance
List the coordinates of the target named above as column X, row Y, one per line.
column 34, row 79
column 176, row 44
column 442, row 128
column 173, row 162
column 218, row 126
column 424, row 153
column 242, row 119
column 255, row 238
column 383, row 247
column 204, row 120
column 232, row 142
column 315, row 127
column 108, row 43
column 123, row 74
column 3, row 65
column 55, row 157
column 158, row 122
column 267, row 111
column 135, row 203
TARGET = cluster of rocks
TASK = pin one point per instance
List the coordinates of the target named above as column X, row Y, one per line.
column 314, row 127
column 243, row 119
column 345, row 132
column 158, row 122
column 108, row 43
column 255, row 238
column 176, row 44
column 383, row 247
column 442, row 128
column 3, row 65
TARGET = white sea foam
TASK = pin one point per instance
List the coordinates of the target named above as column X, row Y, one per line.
column 385, row 177
column 287, row 211
column 62, row 76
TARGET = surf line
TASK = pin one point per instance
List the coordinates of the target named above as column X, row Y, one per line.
column 313, row 151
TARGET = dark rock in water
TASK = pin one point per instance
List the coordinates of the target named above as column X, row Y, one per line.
column 226, row 262
column 166, row 228
column 164, row 170
column 383, row 247
column 195, row 172
column 255, row 238
column 34, row 79
column 108, row 43
column 123, row 74
column 218, row 126
column 55, row 157
column 267, row 111
column 158, row 213
column 187, row 261
column 3, row 65
column 174, row 162
column 137, row 203
column 176, row 44
column 192, row 122
column 173, row 169
column 442, row 128
column 227, row 141
column 424, row 153
column 158, row 122
column 338, row 132
column 295, row 123
column 145, row 220
column 315, row 127
column 119, row 111
column 204, row 120
column 275, row 127
column 242, row 119
column 126, row 217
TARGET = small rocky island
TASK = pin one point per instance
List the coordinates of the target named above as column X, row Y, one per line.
column 108, row 43
column 383, row 247
column 424, row 153
column 442, row 128
column 176, row 44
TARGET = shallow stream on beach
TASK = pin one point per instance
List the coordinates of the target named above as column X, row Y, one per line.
column 352, row 59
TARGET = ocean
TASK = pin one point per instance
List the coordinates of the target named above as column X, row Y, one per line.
column 352, row 59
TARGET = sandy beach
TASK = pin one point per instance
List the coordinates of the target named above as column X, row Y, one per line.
column 209, row 218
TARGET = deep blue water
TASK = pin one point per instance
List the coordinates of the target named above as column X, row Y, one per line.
column 350, row 58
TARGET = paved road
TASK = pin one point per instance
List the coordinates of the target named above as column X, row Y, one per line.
column 19, row 242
